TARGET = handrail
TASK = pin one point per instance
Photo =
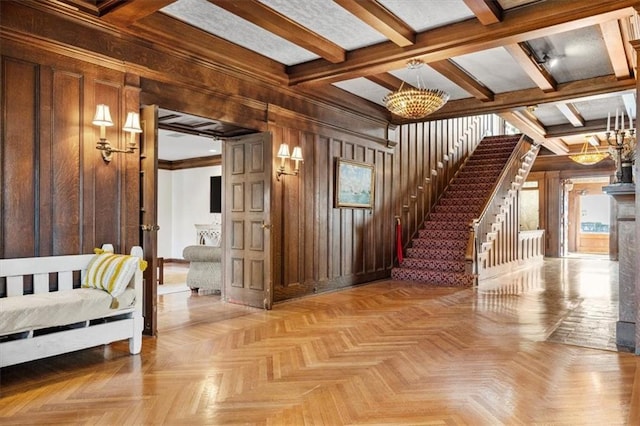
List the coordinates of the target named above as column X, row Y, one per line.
column 492, row 205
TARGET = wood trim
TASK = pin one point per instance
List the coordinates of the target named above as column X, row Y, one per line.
column 572, row 114
column 615, row 48
column 381, row 20
column 460, row 77
column 505, row 102
column 190, row 163
column 267, row 18
column 538, row 73
column 487, row 11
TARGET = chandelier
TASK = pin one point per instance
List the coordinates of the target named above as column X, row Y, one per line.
column 587, row 158
column 415, row 103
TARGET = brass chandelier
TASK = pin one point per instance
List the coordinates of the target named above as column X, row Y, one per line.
column 414, row 103
column 587, row 158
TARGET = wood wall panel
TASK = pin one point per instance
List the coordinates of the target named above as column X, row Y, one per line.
column 19, row 157
column 65, row 159
column 58, row 196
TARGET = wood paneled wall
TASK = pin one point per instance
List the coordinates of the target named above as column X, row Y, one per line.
column 319, row 247
column 58, row 196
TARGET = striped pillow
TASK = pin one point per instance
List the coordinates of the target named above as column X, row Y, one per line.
column 110, row 272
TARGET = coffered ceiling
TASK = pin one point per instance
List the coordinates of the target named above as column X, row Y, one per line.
column 554, row 69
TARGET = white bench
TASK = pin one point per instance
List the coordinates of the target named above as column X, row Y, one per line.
column 68, row 318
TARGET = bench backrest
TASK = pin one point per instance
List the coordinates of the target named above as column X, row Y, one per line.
column 35, row 274
column 42, row 269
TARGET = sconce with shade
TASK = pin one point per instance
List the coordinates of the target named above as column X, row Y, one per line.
column 283, row 154
column 103, row 120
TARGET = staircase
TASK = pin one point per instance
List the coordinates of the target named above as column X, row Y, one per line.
column 437, row 254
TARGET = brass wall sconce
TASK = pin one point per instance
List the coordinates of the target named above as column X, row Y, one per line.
column 283, row 154
column 131, row 125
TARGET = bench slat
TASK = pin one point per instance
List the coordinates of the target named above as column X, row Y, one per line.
column 65, row 280
column 15, row 286
column 41, row 283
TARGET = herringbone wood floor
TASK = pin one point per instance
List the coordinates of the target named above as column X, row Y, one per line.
column 384, row 353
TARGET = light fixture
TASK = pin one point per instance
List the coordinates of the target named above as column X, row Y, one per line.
column 587, row 158
column 623, row 143
column 415, row 103
column 103, row 120
column 550, row 61
column 283, row 154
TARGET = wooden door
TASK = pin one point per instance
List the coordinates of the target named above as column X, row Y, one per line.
column 246, row 221
column 149, row 214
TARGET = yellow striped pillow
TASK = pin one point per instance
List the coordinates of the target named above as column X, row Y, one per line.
column 110, row 272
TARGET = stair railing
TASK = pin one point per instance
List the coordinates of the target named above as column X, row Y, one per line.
column 482, row 226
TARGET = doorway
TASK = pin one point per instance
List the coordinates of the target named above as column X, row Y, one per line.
column 588, row 217
column 190, row 158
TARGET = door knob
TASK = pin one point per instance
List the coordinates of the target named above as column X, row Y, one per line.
column 149, row 227
column 265, row 226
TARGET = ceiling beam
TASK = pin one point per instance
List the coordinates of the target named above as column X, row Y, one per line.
column 453, row 72
column 518, row 25
column 534, row 131
column 129, row 12
column 564, row 130
column 381, row 20
column 527, row 61
column 615, row 48
column 389, row 81
column 272, row 21
column 504, row 102
column 571, row 113
column 487, row 11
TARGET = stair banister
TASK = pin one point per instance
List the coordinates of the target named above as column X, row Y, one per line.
column 482, row 224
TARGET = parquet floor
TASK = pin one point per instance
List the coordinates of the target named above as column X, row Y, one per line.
column 386, row 353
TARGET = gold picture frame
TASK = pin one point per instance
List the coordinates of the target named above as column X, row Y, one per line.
column 355, row 184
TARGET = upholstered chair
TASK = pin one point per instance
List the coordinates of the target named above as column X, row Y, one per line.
column 205, row 272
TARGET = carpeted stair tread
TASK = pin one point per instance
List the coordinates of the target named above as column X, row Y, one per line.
column 454, row 201
column 451, row 217
column 434, row 278
column 434, row 264
column 443, row 234
column 470, row 209
column 439, row 254
column 428, row 243
column 446, row 226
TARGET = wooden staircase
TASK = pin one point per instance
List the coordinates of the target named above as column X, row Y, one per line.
column 439, row 254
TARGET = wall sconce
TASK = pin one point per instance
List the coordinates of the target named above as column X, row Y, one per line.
column 131, row 125
column 283, row 154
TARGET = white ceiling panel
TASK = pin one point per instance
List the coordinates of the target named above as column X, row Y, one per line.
column 364, row 88
column 581, row 54
column 327, row 19
column 226, row 25
column 496, row 69
column 422, row 15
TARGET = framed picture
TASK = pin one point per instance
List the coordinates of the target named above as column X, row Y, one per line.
column 354, row 184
